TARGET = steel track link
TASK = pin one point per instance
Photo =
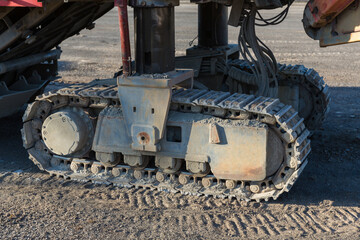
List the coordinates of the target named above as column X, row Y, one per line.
column 281, row 118
column 309, row 79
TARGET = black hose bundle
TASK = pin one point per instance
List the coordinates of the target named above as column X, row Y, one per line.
column 261, row 60
column 273, row 20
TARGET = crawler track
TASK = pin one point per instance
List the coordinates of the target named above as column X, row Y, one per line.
column 312, row 86
column 281, row 118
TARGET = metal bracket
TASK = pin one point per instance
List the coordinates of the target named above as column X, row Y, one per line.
column 145, row 101
column 235, row 14
column 195, row 56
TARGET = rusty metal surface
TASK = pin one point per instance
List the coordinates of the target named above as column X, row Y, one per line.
column 344, row 29
column 230, row 156
column 321, row 12
column 124, row 36
column 245, row 155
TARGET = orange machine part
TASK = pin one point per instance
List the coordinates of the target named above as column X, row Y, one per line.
column 324, row 11
column 20, row 3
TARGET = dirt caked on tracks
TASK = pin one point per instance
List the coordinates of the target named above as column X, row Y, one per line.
column 324, row 203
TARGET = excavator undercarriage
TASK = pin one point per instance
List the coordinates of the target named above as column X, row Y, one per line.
column 207, row 123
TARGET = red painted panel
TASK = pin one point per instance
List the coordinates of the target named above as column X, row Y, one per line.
column 20, row 3
column 324, row 11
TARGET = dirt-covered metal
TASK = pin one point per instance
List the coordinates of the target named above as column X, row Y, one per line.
column 301, row 87
column 246, row 110
column 145, row 104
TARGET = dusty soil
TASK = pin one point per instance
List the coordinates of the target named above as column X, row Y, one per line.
column 324, row 203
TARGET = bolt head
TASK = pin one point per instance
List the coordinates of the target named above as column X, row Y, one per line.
column 183, row 179
column 95, row 169
column 230, row 184
column 74, row 166
column 160, row 176
column 138, row 174
column 254, row 188
column 206, row 182
column 115, row 172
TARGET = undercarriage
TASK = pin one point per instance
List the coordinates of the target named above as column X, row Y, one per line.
column 207, row 123
column 264, row 142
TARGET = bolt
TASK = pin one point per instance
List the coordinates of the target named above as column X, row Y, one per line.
column 115, row 172
column 207, row 182
column 95, row 169
column 183, row 179
column 160, row 176
column 279, row 185
column 138, row 174
column 74, row 166
column 254, row 188
column 230, row 184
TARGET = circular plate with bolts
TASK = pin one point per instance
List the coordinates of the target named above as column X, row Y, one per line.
column 68, row 132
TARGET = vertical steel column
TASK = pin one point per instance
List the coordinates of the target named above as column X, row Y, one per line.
column 154, row 39
column 212, row 25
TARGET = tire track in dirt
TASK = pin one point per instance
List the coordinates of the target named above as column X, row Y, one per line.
column 309, row 220
column 303, row 220
column 191, row 213
column 262, row 226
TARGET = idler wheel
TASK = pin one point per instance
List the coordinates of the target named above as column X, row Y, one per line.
column 68, row 132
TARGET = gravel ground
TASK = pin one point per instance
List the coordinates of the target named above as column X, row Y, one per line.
column 324, row 203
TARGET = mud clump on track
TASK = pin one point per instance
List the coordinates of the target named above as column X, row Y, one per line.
column 324, row 203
